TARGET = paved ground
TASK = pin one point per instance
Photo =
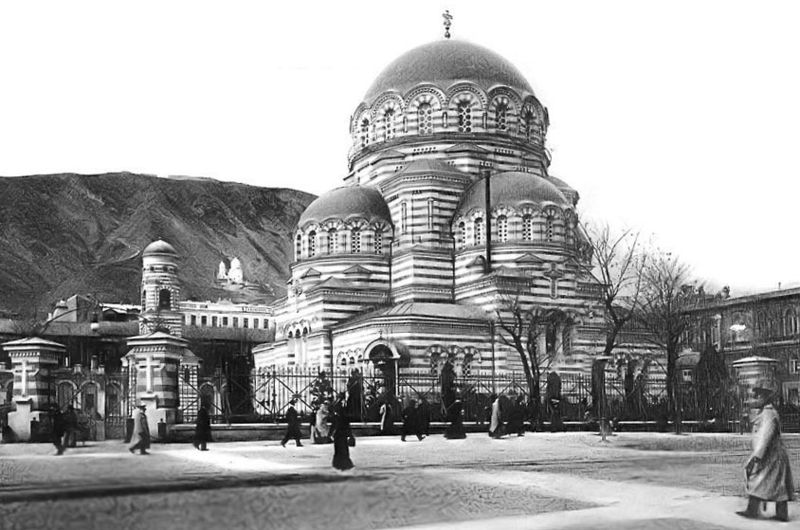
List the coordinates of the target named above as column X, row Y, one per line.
column 567, row 480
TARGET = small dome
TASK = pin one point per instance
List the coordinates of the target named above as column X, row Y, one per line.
column 512, row 188
column 445, row 62
column 159, row 247
column 346, row 202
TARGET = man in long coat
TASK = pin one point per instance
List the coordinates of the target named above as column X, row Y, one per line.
column 140, row 438
column 202, row 429
column 767, row 472
column 59, row 427
column 292, row 425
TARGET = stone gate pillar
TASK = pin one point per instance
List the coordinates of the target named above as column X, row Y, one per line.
column 155, row 360
column 32, row 360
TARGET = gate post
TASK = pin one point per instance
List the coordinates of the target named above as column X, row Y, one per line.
column 32, row 360
column 155, row 359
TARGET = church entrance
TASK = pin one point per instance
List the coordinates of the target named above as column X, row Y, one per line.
column 385, row 364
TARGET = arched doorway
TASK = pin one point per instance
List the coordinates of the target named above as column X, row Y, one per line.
column 385, row 362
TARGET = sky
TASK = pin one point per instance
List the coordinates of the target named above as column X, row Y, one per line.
column 678, row 118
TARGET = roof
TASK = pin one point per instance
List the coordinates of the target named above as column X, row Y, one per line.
column 159, row 247
column 425, row 309
column 345, row 202
column 445, row 62
column 30, row 342
column 512, row 188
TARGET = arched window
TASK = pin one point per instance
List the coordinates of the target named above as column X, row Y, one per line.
column 364, row 132
column 478, row 231
column 430, row 214
column 388, row 124
column 789, row 323
column 502, row 228
column 355, row 238
column 528, row 124
column 527, row 227
column 464, row 117
column 549, row 230
column 501, row 117
column 298, row 247
column 378, row 242
column 403, row 217
column 425, row 118
column 461, row 235
column 312, row 244
column 333, row 242
column 164, row 299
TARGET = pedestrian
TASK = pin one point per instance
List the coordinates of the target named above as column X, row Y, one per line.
column 411, row 422
column 455, row 431
column 202, row 429
column 321, row 431
column 342, row 436
column 292, row 425
column 496, row 424
column 516, row 419
column 768, row 476
column 387, row 422
column 59, row 427
column 71, row 427
column 424, row 416
column 354, row 394
column 140, row 438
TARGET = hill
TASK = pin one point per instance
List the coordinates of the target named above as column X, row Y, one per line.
column 66, row 234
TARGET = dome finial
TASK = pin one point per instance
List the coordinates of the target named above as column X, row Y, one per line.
column 447, row 23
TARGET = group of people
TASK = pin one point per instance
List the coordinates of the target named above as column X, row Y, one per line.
column 339, row 432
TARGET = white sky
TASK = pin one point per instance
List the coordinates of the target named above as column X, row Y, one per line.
column 679, row 118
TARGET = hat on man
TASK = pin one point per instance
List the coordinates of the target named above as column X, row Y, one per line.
column 141, row 406
column 764, row 387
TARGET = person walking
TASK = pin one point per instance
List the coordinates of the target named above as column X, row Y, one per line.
column 342, row 436
column 768, row 476
column 516, row 419
column 455, row 431
column 202, row 429
column 387, row 422
column 411, row 421
column 496, row 424
column 140, row 438
column 71, row 427
column 320, row 429
column 59, row 427
column 292, row 425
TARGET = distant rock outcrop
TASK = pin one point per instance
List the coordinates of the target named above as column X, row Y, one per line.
column 66, row 234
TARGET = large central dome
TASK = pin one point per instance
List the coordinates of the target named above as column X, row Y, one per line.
column 445, row 62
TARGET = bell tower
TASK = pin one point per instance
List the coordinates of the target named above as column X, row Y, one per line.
column 161, row 290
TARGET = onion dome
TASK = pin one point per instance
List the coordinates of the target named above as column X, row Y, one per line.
column 445, row 62
column 513, row 189
column 159, row 247
column 347, row 202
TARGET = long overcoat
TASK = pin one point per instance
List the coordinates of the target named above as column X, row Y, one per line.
column 141, row 431
column 771, row 480
column 202, row 427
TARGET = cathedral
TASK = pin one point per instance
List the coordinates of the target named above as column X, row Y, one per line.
column 447, row 214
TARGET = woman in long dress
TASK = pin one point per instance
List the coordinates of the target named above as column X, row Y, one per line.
column 496, row 425
column 321, row 431
column 341, row 435
column 455, row 431
column 387, row 423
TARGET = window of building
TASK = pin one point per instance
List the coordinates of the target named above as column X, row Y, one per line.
column 425, row 118
column 245, row 322
column 478, row 231
column 312, row 244
column 464, row 117
column 461, row 235
column 265, row 324
column 236, row 322
column 549, row 230
column 789, row 323
column 333, row 241
column 794, row 366
column 501, row 117
column 403, row 217
column 213, row 322
column 388, row 124
column 528, row 124
column 686, row 374
column 194, row 320
column 298, row 248
column 364, row 132
column 378, row 242
column 355, row 237
column 255, row 323
column 203, row 320
column 225, row 321
column 527, row 228
column 164, row 299
column 502, row 228
column 430, row 214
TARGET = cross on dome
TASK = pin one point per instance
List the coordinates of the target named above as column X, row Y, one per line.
column 447, row 23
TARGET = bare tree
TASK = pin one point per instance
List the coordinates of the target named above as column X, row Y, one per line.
column 667, row 294
column 520, row 327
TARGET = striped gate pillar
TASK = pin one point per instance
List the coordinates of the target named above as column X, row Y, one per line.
column 32, row 360
column 155, row 360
